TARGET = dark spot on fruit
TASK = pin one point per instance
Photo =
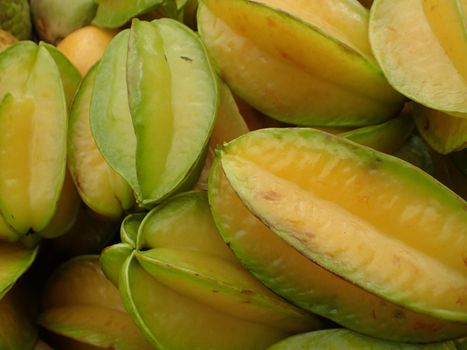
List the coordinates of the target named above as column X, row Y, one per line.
column 246, row 302
column 271, row 23
column 188, row 59
column 247, row 292
column 307, row 241
column 465, row 262
column 228, row 244
column 373, row 314
column 283, row 54
column 196, row 274
column 460, row 301
column 426, row 125
column 270, row 195
column 399, row 314
column 365, row 199
column 375, row 162
column 215, row 291
column 431, row 327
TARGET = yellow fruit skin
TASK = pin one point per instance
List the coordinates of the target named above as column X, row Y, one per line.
column 85, row 46
column 285, row 65
column 6, row 40
column 258, row 248
column 426, row 273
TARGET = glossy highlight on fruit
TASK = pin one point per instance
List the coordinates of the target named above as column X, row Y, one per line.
column 443, row 132
column 422, row 52
column 33, row 120
column 79, row 303
column 337, row 339
column 100, row 187
column 290, row 274
column 301, row 62
column 365, row 218
column 176, row 267
column 173, row 98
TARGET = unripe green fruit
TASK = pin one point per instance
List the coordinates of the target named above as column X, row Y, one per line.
column 55, row 19
column 15, row 18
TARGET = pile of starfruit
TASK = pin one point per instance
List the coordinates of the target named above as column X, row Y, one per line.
column 233, row 175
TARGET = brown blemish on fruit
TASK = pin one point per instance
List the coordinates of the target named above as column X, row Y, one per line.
column 270, row 22
column 283, row 54
column 460, row 300
column 399, row 314
column 215, row 291
column 373, row 163
column 308, row 242
column 247, row 292
column 270, row 196
column 465, row 262
column 431, row 327
column 365, row 199
column 426, row 125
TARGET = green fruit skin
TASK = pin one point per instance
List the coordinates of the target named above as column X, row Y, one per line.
column 176, row 157
column 338, row 339
column 6, row 40
column 69, row 74
column 399, row 179
column 55, row 19
column 247, row 239
column 460, row 160
column 340, row 103
column 443, row 132
column 182, row 265
column 77, row 291
column 15, row 18
column 386, row 137
column 112, row 259
column 102, row 189
column 115, row 13
column 15, row 260
column 147, row 300
column 416, row 152
column 29, row 73
column 109, row 114
column 17, row 331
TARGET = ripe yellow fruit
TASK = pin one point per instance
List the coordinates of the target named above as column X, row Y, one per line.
column 85, row 46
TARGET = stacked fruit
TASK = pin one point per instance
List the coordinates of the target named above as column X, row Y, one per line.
column 284, row 174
